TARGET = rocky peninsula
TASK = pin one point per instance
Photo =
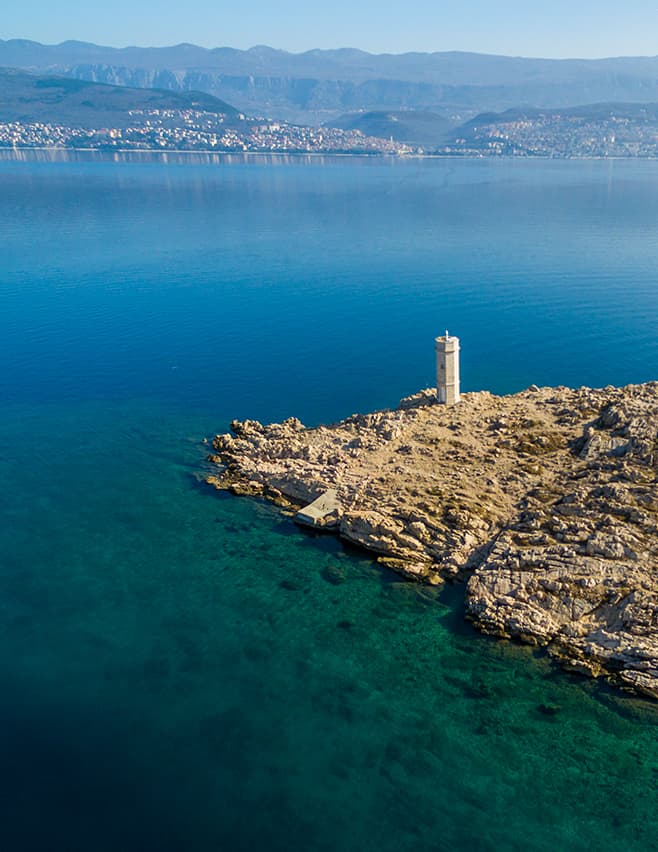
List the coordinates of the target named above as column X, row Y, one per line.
column 545, row 502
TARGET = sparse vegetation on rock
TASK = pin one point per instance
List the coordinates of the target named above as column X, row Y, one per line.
column 545, row 502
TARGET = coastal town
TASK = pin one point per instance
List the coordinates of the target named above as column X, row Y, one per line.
column 561, row 135
column 169, row 129
column 551, row 134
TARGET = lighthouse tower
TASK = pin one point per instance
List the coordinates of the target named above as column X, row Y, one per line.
column 447, row 369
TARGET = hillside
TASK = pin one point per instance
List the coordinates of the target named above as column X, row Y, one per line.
column 592, row 130
column 415, row 127
column 48, row 111
column 28, row 98
column 319, row 85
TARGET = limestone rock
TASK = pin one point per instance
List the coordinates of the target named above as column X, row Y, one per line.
column 546, row 501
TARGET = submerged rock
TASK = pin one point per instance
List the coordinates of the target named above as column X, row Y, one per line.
column 545, row 501
column 334, row 574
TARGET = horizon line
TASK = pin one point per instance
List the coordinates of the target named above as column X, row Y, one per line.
column 257, row 47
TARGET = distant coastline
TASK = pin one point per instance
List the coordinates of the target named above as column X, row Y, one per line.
column 299, row 154
column 67, row 113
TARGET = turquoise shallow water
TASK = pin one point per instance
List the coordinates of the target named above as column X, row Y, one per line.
column 182, row 670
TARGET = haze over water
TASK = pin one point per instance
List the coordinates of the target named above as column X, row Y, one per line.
column 183, row 670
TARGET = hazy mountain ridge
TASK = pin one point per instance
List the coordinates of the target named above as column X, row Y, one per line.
column 86, row 114
column 631, row 111
column 320, row 85
column 454, row 68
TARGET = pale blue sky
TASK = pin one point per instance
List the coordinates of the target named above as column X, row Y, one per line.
column 559, row 28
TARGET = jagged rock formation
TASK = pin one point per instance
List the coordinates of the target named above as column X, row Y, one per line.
column 545, row 501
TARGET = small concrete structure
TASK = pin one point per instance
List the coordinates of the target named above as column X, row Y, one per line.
column 323, row 513
column 447, row 369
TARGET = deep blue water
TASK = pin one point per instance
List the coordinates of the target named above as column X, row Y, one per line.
column 177, row 670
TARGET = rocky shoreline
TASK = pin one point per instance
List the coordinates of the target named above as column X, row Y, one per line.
column 545, row 502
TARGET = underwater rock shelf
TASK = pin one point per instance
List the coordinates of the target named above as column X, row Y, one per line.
column 545, row 502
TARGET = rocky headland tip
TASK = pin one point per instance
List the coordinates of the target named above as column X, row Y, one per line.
column 545, row 502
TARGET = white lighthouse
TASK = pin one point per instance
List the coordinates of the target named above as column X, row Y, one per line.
column 447, row 369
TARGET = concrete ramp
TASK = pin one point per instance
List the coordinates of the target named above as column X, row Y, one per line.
column 324, row 512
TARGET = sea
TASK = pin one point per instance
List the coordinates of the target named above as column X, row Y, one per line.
column 186, row 670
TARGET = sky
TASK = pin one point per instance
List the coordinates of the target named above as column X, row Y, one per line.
column 557, row 29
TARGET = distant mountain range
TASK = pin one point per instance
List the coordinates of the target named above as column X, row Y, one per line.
column 48, row 110
column 318, row 86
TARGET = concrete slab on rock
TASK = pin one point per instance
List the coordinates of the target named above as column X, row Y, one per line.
column 323, row 513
